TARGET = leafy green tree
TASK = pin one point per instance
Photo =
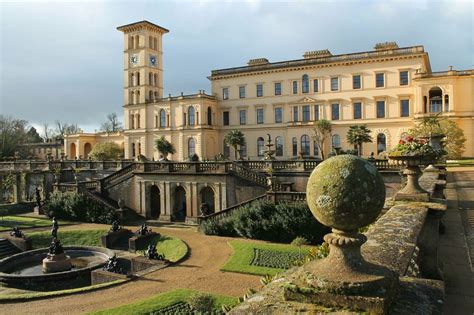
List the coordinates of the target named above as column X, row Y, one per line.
column 105, row 151
column 164, row 147
column 454, row 140
column 358, row 134
column 321, row 132
column 234, row 138
column 12, row 133
column 33, row 136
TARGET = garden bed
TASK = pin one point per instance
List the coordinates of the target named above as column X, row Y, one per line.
column 269, row 260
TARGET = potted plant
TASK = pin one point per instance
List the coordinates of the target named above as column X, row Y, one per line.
column 413, row 152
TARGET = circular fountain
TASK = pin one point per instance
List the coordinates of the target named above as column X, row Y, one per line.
column 53, row 268
column 25, row 270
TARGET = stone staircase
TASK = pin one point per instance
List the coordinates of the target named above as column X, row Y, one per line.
column 7, row 248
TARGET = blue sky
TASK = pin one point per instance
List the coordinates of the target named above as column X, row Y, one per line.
column 63, row 60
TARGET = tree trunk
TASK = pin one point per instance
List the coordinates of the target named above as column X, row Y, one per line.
column 235, row 153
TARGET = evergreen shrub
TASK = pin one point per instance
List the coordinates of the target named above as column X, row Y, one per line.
column 264, row 220
column 76, row 207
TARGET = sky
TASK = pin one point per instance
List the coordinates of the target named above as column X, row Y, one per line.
column 63, row 60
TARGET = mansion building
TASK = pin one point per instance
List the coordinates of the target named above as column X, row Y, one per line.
column 386, row 89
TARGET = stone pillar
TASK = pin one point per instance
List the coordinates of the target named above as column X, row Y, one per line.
column 166, row 202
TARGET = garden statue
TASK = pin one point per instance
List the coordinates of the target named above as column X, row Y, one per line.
column 16, row 232
column 54, row 228
column 204, row 209
column 144, row 230
column 38, row 197
column 115, row 226
column 55, row 248
column 151, row 253
column 113, row 266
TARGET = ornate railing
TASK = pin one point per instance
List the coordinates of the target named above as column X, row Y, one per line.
column 247, row 174
column 96, row 199
column 23, row 165
column 286, row 196
column 104, row 182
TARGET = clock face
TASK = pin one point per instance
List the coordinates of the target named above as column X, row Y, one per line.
column 134, row 59
column 152, row 60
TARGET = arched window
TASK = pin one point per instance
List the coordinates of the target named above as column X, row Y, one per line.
column 133, row 150
column 138, row 121
column 130, row 42
column 191, row 116
column 279, row 146
column 336, row 141
column 138, row 78
column 191, row 147
column 305, row 84
column 150, row 42
column 156, row 121
column 162, row 118
column 156, row 95
column 446, row 103
column 150, row 78
column 436, row 100
column 137, row 41
column 209, row 116
column 294, row 146
column 139, row 148
column 243, row 150
column 155, row 80
column 150, row 95
column 316, row 149
column 132, row 122
column 305, row 145
column 381, row 143
column 260, row 146
column 425, row 104
column 137, row 97
column 132, row 78
column 155, row 43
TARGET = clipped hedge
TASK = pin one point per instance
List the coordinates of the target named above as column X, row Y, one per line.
column 264, row 220
column 76, row 207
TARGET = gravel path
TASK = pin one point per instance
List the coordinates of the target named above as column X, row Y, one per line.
column 200, row 271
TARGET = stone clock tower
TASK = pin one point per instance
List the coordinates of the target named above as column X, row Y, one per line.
column 143, row 81
column 143, row 66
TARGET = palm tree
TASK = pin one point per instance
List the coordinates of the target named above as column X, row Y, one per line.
column 321, row 131
column 164, row 147
column 235, row 138
column 358, row 134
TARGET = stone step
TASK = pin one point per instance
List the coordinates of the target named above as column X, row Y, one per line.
column 7, row 249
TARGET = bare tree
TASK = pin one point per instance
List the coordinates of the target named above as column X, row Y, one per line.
column 112, row 124
column 63, row 128
column 48, row 132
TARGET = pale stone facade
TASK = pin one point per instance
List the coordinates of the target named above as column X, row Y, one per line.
column 385, row 89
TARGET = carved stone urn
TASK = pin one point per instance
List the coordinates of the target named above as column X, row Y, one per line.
column 345, row 193
column 412, row 190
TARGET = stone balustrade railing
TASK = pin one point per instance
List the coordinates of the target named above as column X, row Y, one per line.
column 62, row 165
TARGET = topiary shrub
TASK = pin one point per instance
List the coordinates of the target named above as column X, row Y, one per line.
column 201, row 302
column 76, row 207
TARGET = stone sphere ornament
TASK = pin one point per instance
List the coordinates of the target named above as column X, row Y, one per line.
column 345, row 192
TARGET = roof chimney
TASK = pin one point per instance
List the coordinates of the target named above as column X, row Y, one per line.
column 257, row 62
column 317, row 54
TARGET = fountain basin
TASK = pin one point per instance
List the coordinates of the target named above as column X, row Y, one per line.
column 24, row 270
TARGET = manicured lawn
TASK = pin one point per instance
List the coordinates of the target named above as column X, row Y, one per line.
column 7, row 222
column 79, row 237
column 173, row 248
column 241, row 259
column 162, row 300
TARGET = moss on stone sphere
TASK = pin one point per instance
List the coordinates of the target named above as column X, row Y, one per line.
column 345, row 192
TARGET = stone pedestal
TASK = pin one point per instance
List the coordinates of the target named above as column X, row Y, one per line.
column 38, row 210
column 139, row 242
column 56, row 263
column 22, row 243
column 112, row 239
column 141, row 263
column 412, row 190
column 344, row 278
